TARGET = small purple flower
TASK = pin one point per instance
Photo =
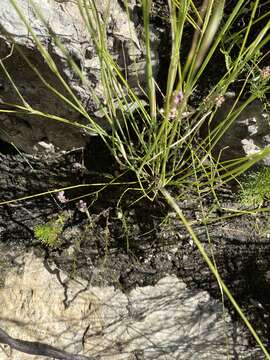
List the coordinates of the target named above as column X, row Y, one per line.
column 82, row 206
column 61, row 197
column 178, row 97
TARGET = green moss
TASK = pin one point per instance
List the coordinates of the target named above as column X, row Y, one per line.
column 256, row 188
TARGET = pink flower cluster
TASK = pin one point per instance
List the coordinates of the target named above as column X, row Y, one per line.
column 265, row 72
column 61, row 197
column 81, row 205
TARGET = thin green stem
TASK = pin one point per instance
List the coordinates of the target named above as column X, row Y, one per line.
column 171, row 201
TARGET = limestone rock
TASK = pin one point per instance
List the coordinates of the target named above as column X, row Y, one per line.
column 248, row 134
column 167, row 320
column 66, row 22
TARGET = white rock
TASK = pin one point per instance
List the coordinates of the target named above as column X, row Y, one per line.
column 64, row 20
column 165, row 321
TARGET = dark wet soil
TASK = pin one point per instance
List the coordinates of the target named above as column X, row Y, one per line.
column 137, row 247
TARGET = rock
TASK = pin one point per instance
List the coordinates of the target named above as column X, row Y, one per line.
column 64, row 18
column 40, row 303
column 248, row 134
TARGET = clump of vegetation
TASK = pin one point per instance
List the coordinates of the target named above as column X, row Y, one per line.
column 256, row 188
column 49, row 233
column 168, row 152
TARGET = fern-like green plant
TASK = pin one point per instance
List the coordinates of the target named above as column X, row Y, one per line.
column 256, row 188
column 49, row 233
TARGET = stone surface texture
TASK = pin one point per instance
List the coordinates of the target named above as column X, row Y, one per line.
column 248, row 133
column 165, row 321
column 34, row 133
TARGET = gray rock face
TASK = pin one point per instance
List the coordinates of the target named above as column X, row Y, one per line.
column 248, row 134
column 64, row 20
column 155, row 322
